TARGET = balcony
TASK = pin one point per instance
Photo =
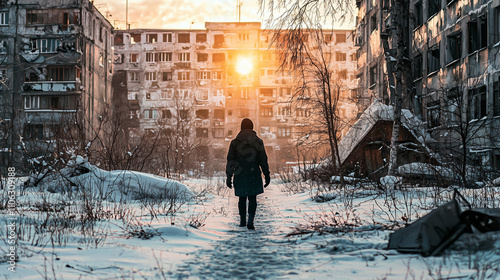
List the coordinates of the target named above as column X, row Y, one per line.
column 52, row 86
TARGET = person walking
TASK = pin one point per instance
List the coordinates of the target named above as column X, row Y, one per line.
column 247, row 160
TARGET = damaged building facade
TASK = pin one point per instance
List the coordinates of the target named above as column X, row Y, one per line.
column 203, row 82
column 55, row 63
column 451, row 70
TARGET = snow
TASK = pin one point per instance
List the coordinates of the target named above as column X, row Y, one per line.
column 140, row 246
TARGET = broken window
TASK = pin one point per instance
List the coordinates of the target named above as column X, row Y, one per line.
column 201, row 57
column 219, row 114
column 417, row 66
column 135, row 38
column 373, row 76
column 167, row 37
column 478, row 33
column 4, row 18
column 266, row 111
column 152, row 38
column 184, row 57
column 201, row 38
column 340, row 38
column 433, row 58
column 454, row 47
column 219, row 132
column 373, row 23
column 183, row 76
column 62, row 17
column 496, row 98
column 218, row 57
column 284, row 132
column 433, row 114
column 202, row 114
column 266, row 92
column 183, row 38
column 165, row 56
column 477, row 102
column 167, row 76
column 433, row 7
column 119, row 39
column 419, row 15
column 134, row 57
column 218, row 41
column 203, row 75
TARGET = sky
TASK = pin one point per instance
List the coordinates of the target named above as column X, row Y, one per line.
column 175, row 14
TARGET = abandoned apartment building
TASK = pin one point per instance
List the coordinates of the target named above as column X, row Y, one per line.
column 212, row 78
column 453, row 74
column 55, row 61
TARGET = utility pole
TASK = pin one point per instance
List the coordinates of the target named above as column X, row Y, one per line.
column 126, row 15
column 239, row 3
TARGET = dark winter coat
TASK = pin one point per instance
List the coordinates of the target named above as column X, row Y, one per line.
column 245, row 160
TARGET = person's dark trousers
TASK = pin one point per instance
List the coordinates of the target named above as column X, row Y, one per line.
column 252, row 207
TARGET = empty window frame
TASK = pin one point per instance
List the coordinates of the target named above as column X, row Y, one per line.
column 478, row 33
column 373, row 23
column 202, row 57
column 477, row 101
column 183, row 38
column 218, row 41
column 201, row 38
column 373, row 76
column 433, row 60
column 151, row 38
column 219, row 114
column 166, row 114
column 61, row 73
column 433, row 7
column 417, row 66
column 267, row 92
column 340, row 38
column 167, row 37
column 433, row 114
column 418, row 14
column 135, row 38
column 134, row 57
column 454, row 49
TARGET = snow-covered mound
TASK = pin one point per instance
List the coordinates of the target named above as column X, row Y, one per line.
column 425, row 170
column 113, row 185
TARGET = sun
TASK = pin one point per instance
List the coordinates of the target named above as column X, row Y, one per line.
column 244, row 66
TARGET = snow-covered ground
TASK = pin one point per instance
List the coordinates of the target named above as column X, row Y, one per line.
column 62, row 236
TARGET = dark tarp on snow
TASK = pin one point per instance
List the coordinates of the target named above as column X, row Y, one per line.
column 430, row 234
column 435, row 231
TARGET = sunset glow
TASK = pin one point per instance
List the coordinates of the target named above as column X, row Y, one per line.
column 244, row 66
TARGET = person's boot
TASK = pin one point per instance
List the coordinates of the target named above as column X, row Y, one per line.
column 250, row 222
column 243, row 220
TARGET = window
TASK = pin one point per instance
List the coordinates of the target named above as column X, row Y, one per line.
column 183, row 76
column 218, row 57
column 135, row 38
column 266, row 111
column 342, row 74
column 150, row 76
column 184, row 57
column 285, row 110
column 202, row 132
column 433, row 114
column 201, row 38
column 60, row 73
column 148, row 95
column 152, row 38
column 166, row 94
column 202, row 94
column 373, row 23
column 478, row 33
column 328, row 38
column 183, row 38
column 302, row 112
column 202, row 114
column 219, row 114
column 167, row 76
column 62, row 17
column 285, row 92
column 201, row 57
column 218, row 75
column 496, row 98
column 164, row 56
column 433, row 58
column 417, row 66
column 151, row 57
column 340, row 38
column 32, row 102
column 266, row 92
column 354, row 57
column 243, row 37
column 284, row 132
column 3, row 46
column 45, row 45
column 340, row 56
column 454, row 47
column 150, row 114
column 4, row 18
column 373, row 76
column 183, row 93
column 477, row 102
column 203, row 75
column 218, row 41
column 167, row 37
column 184, row 114
column 419, row 15
column 134, row 57
column 218, row 132
column 244, row 93
column 133, row 76
column 433, row 7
